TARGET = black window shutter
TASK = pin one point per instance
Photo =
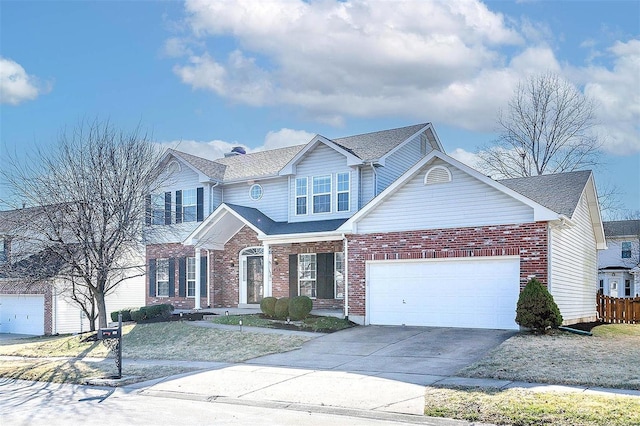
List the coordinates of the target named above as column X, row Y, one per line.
column 325, row 275
column 203, row 276
column 147, row 209
column 152, row 277
column 178, row 206
column 167, row 208
column 172, row 276
column 293, row 275
column 200, row 204
column 182, row 277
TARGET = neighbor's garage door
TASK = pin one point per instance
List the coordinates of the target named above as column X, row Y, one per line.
column 22, row 314
column 461, row 292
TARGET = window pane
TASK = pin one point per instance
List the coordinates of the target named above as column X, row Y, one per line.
column 157, row 207
column 189, row 202
column 301, row 186
column 301, row 205
column 321, row 203
column 162, row 270
column 321, row 184
column 189, row 214
column 343, row 202
column 343, row 181
column 163, row 288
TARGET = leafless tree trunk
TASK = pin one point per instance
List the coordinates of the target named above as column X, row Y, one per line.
column 87, row 200
column 546, row 129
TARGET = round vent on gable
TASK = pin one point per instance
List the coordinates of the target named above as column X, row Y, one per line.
column 173, row 167
column 437, row 174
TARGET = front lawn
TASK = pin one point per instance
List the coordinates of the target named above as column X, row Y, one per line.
column 163, row 341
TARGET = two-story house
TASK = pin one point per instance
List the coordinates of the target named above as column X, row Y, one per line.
column 619, row 264
column 384, row 225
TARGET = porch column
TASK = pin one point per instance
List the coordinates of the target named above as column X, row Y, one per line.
column 198, row 260
column 266, row 270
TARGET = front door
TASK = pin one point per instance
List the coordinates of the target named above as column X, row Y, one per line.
column 255, row 278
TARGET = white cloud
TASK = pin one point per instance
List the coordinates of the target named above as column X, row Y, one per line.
column 217, row 148
column 454, row 63
column 466, row 157
column 16, row 86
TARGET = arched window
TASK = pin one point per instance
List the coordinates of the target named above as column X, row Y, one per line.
column 437, row 174
column 255, row 192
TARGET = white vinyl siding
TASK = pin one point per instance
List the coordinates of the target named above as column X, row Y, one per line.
column 574, row 274
column 273, row 202
column 463, row 202
column 216, row 197
column 399, row 162
column 366, row 185
column 317, row 163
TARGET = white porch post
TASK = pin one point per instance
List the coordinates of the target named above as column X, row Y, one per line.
column 266, row 270
column 198, row 260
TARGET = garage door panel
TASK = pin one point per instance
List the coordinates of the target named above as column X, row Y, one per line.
column 477, row 293
column 22, row 314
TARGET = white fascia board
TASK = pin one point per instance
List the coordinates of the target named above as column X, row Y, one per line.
column 308, row 237
column 212, row 220
column 591, row 193
column 290, row 167
column 261, row 178
column 382, row 159
column 540, row 213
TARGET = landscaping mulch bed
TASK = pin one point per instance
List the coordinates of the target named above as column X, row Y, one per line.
column 585, row 326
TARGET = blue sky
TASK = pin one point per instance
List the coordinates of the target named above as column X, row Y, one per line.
column 210, row 75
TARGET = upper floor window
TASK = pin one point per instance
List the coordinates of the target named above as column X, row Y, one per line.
column 189, row 205
column 3, row 250
column 626, row 250
column 157, row 209
column 301, row 196
column 322, row 194
column 255, row 192
column 162, row 277
column 343, row 192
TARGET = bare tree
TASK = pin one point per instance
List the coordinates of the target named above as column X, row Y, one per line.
column 88, row 207
column 546, row 129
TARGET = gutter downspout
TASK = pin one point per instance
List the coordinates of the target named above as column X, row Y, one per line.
column 375, row 180
column 346, row 277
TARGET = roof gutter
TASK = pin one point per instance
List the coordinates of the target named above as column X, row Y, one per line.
column 307, row 237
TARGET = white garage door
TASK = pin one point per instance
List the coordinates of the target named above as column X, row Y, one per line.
column 22, row 314
column 460, row 292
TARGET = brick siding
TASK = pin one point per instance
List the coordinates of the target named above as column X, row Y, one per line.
column 529, row 241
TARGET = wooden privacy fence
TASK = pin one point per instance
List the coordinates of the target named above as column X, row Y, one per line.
column 619, row 309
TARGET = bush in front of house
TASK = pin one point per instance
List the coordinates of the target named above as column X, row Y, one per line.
column 282, row 308
column 268, row 306
column 536, row 308
column 300, row 307
column 139, row 314
column 126, row 315
column 151, row 312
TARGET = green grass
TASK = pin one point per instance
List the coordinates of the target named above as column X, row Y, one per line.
column 313, row 323
column 617, row 330
column 522, row 407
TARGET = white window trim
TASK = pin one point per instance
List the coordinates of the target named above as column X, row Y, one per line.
column 314, row 281
column 313, row 194
column 306, row 196
column 158, row 281
column 186, row 278
column 347, row 191
column 194, row 205
column 256, row 185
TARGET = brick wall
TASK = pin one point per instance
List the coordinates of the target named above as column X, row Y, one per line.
column 530, row 241
column 44, row 288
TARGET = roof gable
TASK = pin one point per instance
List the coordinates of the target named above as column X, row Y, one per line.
column 540, row 212
column 290, row 167
column 206, row 169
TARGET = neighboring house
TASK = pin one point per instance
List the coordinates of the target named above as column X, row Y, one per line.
column 32, row 299
column 619, row 264
column 383, row 225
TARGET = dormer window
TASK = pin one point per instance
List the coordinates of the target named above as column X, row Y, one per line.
column 322, row 194
column 437, row 174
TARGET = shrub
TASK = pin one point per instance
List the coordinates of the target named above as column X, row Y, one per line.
column 162, row 310
column 536, row 308
column 139, row 314
column 300, row 307
column 126, row 315
column 282, row 308
column 268, row 306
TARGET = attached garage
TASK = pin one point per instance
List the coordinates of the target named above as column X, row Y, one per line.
column 22, row 314
column 475, row 292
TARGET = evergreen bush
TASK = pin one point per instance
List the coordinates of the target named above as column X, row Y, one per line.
column 126, row 315
column 536, row 308
column 268, row 306
column 282, row 308
column 300, row 307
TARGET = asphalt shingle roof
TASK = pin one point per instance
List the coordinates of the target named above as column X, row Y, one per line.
column 622, row 228
column 270, row 227
column 367, row 146
column 559, row 192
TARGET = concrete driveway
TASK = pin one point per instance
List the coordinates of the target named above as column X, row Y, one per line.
column 410, row 354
